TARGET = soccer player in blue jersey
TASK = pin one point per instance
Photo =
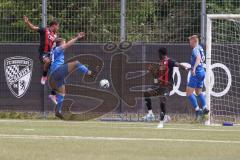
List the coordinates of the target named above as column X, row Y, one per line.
column 59, row 70
column 197, row 77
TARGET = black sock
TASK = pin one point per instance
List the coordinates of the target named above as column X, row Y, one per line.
column 163, row 110
column 148, row 103
column 53, row 92
column 44, row 73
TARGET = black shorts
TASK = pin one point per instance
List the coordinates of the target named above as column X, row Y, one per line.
column 158, row 90
column 43, row 55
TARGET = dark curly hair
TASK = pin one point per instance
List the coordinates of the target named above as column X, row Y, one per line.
column 162, row 51
column 53, row 23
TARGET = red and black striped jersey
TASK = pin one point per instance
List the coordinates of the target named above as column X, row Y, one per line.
column 166, row 67
column 47, row 38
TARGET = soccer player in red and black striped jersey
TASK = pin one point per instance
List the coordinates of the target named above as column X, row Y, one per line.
column 47, row 38
column 163, row 83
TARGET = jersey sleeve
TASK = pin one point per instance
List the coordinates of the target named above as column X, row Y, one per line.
column 41, row 30
column 59, row 49
column 172, row 63
column 196, row 52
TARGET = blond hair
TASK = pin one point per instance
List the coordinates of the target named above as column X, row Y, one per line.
column 194, row 37
column 59, row 41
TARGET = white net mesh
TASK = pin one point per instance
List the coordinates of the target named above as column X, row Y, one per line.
column 225, row 95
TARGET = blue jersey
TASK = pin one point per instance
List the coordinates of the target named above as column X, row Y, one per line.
column 195, row 53
column 57, row 57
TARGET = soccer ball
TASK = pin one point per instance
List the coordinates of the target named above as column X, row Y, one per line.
column 104, row 83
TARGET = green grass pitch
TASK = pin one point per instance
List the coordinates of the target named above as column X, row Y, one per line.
column 93, row 140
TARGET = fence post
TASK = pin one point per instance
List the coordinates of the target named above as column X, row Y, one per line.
column 203, row 22
column 122, row 23
column 44, row 13
column 44, row 24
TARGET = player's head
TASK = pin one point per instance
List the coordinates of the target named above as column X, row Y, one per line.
column 162, row 52
column 54, row 25
column 193, row 41
column 60, row 41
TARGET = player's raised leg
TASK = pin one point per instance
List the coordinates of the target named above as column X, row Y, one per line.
column 59, row 70
column 81, row 68
column 57, row 81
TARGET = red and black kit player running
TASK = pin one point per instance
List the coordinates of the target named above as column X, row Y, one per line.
column 47, row 37
column 163, row 83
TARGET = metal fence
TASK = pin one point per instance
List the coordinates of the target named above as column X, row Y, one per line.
column 12, row 28
column 162, row 21
column 99, row 19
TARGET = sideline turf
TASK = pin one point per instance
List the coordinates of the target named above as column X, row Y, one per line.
column 65, row 149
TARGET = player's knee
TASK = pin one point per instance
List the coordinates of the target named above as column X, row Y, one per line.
column 76, row 63
column 189, row 91
column 198, row 91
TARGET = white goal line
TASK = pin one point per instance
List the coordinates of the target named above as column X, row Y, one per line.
column 51, row 137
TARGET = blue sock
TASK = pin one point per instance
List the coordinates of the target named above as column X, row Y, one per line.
column 202, row 99
column 60, row 99
column 82, row 68
column 193, row 100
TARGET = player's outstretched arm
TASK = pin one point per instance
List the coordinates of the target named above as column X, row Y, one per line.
column 72, row 41
column 181, row 66
column 29, row 24
column 153, row 69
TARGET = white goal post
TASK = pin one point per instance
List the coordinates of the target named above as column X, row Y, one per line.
column 222, row 68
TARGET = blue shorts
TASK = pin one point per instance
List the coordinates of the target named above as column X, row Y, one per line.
column 59, row 75
column 197, row 80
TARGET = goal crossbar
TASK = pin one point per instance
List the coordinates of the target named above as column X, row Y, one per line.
column 223, row 16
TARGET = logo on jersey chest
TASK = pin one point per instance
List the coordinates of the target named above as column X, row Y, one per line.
column 51, row 36
column 18, row 73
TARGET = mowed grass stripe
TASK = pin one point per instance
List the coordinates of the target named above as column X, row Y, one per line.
column 123, row 125
column 41, row 137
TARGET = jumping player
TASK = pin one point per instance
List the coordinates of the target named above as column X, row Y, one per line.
column 59, row 70
column 197, row 77
column 164, row 84
column 47, row 38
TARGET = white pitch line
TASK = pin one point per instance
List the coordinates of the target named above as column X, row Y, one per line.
column 42, row 137
column 28, row 129
column 202, row 129
column 167, row 128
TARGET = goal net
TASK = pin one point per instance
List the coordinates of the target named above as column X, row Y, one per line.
column 223, row 68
